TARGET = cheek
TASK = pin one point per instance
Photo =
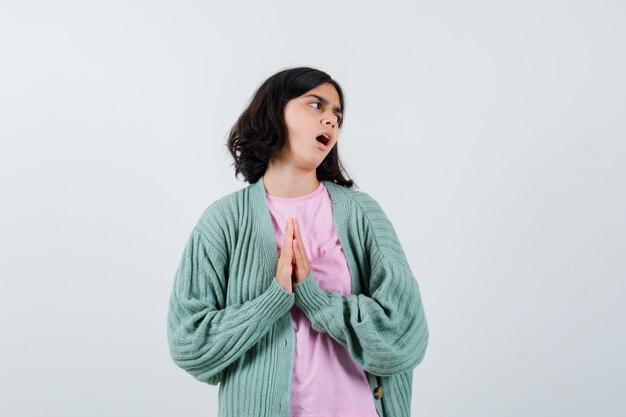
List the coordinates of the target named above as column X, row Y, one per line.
column 300, row 133
column 301, row 126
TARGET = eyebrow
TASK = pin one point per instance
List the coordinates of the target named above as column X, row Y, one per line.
column 325, row 102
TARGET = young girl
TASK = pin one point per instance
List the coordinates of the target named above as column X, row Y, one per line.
column 294, row 293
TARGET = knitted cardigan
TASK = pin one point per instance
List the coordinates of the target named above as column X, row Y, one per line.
column 229, row 320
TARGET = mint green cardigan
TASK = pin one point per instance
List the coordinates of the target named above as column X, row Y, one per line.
column 229, row 320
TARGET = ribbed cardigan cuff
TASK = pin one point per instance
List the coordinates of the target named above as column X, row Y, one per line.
column 310, row 298
column 274, row 302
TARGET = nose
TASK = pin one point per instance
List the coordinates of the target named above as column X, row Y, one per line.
column 329, row 120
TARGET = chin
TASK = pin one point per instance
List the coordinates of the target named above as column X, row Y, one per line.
column 312, row 163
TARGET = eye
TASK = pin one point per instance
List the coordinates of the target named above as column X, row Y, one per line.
column 339, row 118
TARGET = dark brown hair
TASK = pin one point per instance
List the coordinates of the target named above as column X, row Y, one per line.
column 260, row 132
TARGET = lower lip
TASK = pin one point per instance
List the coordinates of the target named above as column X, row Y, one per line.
column 321, row 145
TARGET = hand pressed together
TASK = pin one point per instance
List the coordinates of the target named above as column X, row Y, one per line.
column 293, row 264
column 300, row 259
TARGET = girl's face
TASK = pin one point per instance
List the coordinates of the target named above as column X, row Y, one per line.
column 315, row 113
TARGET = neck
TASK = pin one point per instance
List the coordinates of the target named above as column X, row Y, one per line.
column 287, row 180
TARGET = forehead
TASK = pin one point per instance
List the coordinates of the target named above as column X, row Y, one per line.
column 326, row 91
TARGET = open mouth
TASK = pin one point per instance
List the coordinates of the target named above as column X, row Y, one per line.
column 323, row 139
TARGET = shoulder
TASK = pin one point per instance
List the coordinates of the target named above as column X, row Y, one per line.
column 379, row 233
column 362, row 202
column 221, row 215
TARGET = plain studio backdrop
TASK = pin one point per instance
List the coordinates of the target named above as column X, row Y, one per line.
column 492, row 133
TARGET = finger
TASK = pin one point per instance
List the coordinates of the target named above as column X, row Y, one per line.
column 296, row 250
column 297, row 257
column 299, row 238
column 297, row 247
column 287, row 223
column 298, row 235
column 286, row 249
column 289, row 232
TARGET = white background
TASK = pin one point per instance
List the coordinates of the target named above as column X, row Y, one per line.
column 492, row 133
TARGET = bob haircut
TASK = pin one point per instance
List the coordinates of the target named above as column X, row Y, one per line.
column 260, row 131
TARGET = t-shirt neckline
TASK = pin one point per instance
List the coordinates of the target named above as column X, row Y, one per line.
column 299, row 199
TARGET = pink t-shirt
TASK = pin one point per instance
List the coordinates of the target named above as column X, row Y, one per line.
column 326, row 381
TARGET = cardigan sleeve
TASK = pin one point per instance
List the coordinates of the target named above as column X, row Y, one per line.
column 205, row 335
column 384, row 331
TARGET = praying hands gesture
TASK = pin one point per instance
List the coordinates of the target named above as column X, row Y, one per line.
column 293, row 263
